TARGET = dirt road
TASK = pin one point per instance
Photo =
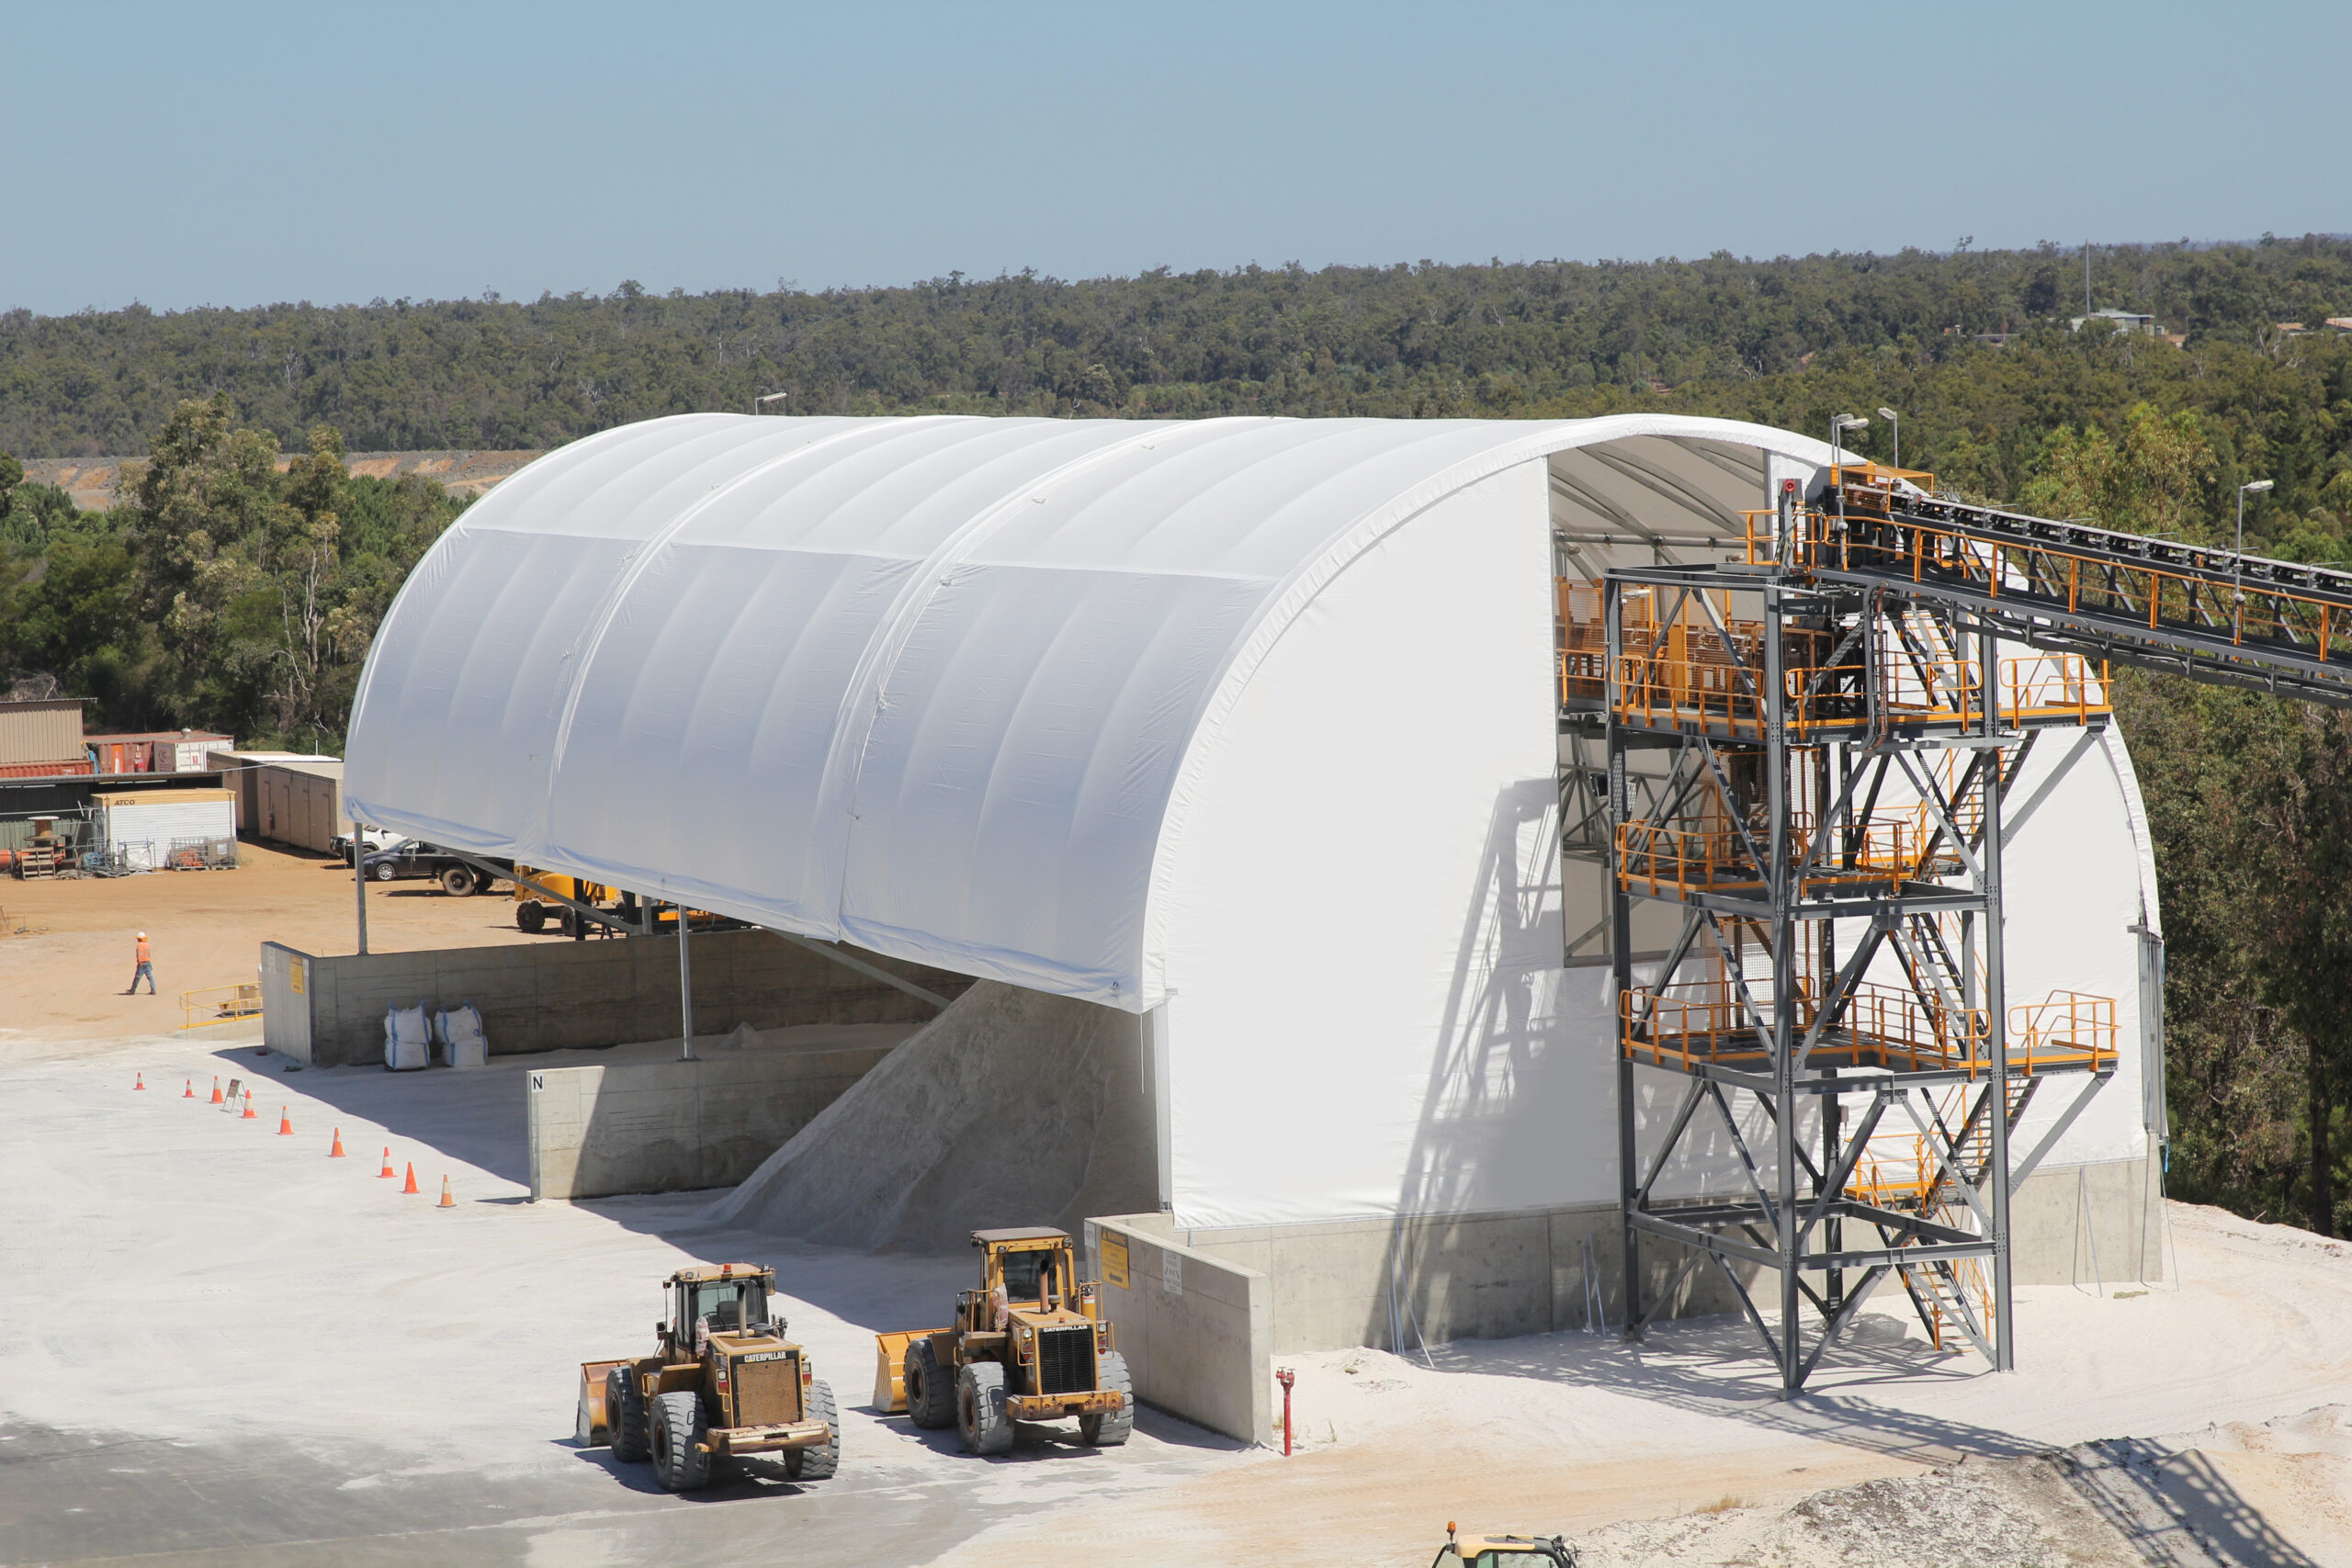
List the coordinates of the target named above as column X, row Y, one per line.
column 64, row 979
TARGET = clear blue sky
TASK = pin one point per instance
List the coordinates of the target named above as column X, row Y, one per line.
column 216, row 153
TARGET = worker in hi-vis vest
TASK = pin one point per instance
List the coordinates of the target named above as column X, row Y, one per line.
column 146, row 970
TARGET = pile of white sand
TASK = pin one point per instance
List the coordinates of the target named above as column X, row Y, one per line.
column 1009, row 1108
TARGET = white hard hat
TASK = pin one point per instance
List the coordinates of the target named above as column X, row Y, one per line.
column 142, row 936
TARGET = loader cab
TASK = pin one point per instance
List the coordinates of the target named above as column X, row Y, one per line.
column 1036, row 1273
column 1504, row 1551
column 1030, row 1263
column 725, row 1297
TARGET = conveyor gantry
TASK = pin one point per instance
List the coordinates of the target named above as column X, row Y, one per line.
column 1807, row 753
column 2213, row 614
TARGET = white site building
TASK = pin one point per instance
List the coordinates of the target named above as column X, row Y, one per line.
column 1247, row 727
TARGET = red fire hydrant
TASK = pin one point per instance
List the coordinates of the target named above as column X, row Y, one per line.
column 1286, row 1377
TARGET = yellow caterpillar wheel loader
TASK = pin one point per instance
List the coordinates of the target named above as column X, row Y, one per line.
column 533, row 909
column 724, row 1382
column 1029, row 1345
column 1504, row 1551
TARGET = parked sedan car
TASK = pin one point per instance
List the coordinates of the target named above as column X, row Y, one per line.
column 413, row 858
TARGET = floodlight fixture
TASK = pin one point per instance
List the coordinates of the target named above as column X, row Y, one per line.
column 2252, row 486
column 1838, row 426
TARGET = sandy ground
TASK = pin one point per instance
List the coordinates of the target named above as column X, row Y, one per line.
column 1570, row 1433
column 219, row 1346
column 222, row 1346
column 65, row 979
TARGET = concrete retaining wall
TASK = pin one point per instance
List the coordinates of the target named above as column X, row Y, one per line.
column 559, row 996
column 2072, row 1224
column 1494, row 1276
column 1197, row 1331
column 668, row 1126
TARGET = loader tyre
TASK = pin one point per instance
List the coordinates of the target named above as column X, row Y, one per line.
column 679, row 1463
column 1109, row 1429
column 931, row 1393
column 818, row 1464
column 980, row 1415
column 531, row 916
column 625, row 1415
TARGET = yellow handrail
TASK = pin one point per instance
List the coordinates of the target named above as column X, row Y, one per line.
column 225, row 1004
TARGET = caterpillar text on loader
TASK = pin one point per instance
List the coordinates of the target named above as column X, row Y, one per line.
column 1029, row 1345
column 724, row 1382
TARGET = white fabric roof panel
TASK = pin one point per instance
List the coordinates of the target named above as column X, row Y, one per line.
column 929, row 685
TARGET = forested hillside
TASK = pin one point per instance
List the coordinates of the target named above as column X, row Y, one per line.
column 1409, row 341
column 224, row 593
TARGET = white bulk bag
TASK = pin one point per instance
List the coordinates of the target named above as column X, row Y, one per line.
column 463, row 1044
column 408, row 1039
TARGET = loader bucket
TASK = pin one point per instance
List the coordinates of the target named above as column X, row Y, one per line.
column 594, row 1425
column 890, row 1370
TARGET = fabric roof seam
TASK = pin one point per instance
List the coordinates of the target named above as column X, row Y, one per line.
column 869, row 678
column 533, row 834
column 641, row 561
column 508, row 497
column 1310, row 476
column 1284, row 609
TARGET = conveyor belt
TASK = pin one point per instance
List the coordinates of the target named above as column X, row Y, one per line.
column 2210, row 613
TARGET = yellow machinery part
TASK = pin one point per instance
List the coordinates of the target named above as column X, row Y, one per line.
column 890, row 1368
column 592, row 1394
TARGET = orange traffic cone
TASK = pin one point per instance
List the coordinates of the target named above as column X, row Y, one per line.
column 188, row 1088
column 447, row 1201
column 336, row 1152
column 216, row 1089
column 248, row 1116
column 388, row 1169
column 411, row 1179
column 142, row 1083
column 285, row 1124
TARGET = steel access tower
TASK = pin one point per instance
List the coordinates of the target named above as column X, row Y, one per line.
column 1805, row 757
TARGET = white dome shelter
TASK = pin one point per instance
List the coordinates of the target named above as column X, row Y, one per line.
column 1246, row 726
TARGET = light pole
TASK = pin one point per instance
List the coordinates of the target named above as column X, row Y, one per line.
column 1894, row 420
column 2252, row 486
column 759, row 402
column 1838, row 426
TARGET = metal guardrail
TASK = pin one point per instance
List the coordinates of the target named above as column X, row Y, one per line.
column 220, row 1004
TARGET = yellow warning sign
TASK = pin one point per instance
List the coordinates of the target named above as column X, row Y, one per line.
column 1114, row 1258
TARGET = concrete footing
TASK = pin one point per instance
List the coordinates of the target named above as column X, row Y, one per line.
column 1396, row 1283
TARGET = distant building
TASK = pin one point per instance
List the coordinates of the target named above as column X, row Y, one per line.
column 2120, row 321
column 2341, row 324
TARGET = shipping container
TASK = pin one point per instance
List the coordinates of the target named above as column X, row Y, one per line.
column 271, row 806
column 146, row 828
column 46, row 731
column 302, row 804
column 157, row 751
